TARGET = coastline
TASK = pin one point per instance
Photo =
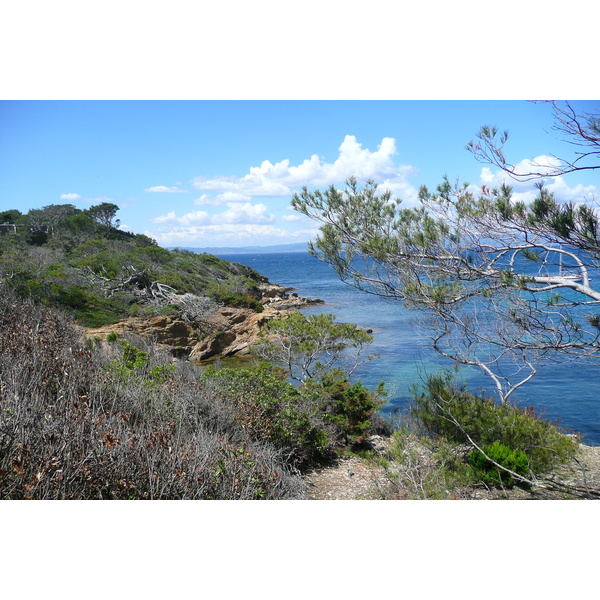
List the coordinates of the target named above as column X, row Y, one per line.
column 231, row 331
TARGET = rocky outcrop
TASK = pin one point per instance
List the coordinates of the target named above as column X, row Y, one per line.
column 172, row 333
column 232, row 331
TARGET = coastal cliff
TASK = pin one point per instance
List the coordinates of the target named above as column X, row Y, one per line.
column 229, row 331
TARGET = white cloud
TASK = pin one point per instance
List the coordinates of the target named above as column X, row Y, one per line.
column 198, row 217
column 244, row 213
column 225, row 198
column 542, row 164
column 206, row 200
column 231, row 234
column 241, row 222
column 525, row 191
column 247, row 213
column 282, row 179
column 165, row 189
column 71, row 196
column 546, row 165
column 562, row 191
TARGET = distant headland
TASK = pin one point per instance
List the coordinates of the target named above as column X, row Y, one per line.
column 297, row 247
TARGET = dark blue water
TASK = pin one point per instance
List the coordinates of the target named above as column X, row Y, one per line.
column 565, row 393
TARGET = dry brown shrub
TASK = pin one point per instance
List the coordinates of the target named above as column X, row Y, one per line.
column 71, row 429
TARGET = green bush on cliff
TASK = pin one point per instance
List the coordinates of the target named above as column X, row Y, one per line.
column 349, row 406
column 512, row 461
column 272, row 409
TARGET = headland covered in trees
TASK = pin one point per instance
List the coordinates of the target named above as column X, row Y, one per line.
column 95, row 407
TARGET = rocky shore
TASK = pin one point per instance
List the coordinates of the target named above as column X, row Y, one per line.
column 228, row 332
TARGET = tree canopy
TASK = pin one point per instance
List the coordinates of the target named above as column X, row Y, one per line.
column 105, row 213
column 308, row 346
column 504, row 285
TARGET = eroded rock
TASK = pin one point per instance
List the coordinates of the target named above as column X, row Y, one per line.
column 232, row 331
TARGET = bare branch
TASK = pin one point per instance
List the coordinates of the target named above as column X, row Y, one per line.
column 582, row 130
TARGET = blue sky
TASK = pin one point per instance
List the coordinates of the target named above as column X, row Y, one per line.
column 221, row 173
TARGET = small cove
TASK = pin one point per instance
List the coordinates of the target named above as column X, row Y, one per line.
column 565, row 393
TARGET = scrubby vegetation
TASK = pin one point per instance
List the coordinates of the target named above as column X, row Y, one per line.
column 455, row 440
column 80, row 261
column 120, row 420
column 310, row 422
column 450, row 412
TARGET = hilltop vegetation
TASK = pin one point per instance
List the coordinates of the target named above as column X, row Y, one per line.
column 80, row 261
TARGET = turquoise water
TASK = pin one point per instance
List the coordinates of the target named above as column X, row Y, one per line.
column 565, row 393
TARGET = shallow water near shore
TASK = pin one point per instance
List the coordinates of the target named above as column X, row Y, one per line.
column 569, row 394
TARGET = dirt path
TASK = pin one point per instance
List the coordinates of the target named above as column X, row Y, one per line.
column 353, row 478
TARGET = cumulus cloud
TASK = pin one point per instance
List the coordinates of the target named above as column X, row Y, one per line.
column 225, row 198
column 525, row 191
column 282, row 178
column 197, row 217
column 241, row 221
column 244, row 213
column 236, row 213
column 235, row 234
column 165, row 189
column 70, row 196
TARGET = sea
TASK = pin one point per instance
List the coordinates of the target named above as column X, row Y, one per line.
column 565, row 394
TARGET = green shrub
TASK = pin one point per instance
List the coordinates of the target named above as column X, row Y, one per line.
column 236, row 300
column 309, row 422
column 97, row 311
column 270, row 408
column 154, row 254
column 143, row 241
column 449, row 411
column 168, row 310
column 349, row 406
column 486, row 471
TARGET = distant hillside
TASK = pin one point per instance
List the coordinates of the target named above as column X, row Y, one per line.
column 299, row 247
column 79, row 260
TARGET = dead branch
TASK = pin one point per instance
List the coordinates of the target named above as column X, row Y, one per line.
column 154, row 291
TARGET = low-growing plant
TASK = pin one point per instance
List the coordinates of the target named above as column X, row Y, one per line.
column 484, row 464
column 447, row 410
column 270, row 408
column 417, row 469
column 350, row 406
column 311, row 421
column 236, row 300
